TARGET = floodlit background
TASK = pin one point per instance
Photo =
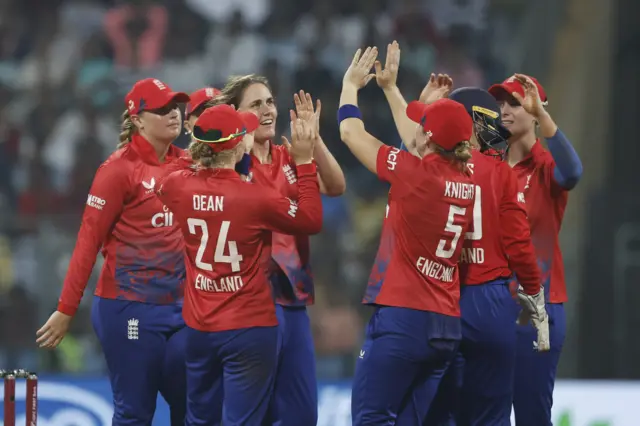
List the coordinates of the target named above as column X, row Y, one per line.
column 65, row 66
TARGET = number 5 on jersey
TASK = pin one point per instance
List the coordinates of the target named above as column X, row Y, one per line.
column 232, row 258
column 456, row 230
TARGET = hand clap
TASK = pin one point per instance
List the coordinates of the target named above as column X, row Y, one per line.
column 387, row 77
column 359, row 73
column 303, row 138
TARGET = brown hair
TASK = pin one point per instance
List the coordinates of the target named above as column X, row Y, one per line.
column 127, row 129
column 233, row 91
column 203, row 153
column 461, row 153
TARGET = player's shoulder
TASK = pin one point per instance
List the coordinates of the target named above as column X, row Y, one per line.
column 179, row 178
column 541, row 155
column 181, row 162
column 120, row 163
column 182, row 174
column 482, row 161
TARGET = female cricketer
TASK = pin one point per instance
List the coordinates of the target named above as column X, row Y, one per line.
column 477, row 387
column 137, row 309
column 415, row 329
column 295, row 399
column 544, row 181
column 232, row 336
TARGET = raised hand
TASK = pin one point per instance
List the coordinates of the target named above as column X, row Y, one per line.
column 531, row 101
column 438, row 87
column 304, row 109
column 387, row 77
column 359, row 73
column 303, row 138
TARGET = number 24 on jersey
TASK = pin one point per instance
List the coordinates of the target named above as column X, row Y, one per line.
column 233, row 258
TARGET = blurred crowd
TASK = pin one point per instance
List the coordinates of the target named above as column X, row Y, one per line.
column 65, row 66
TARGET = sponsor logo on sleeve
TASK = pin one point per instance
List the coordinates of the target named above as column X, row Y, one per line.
column 95, row 202
column 293, row 208
column 392, row 158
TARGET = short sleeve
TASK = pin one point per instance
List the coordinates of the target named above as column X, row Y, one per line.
column 396, row 166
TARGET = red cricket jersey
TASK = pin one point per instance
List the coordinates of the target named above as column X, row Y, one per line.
column 498, row 241
column 291, row 275
column 227, row 226
column 434, row 201
column 142, row 247
column 545, row 201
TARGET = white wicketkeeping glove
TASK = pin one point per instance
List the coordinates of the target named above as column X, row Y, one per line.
column 534, row 311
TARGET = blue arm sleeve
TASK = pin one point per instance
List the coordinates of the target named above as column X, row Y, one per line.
column 568, row 170
column 242, row 167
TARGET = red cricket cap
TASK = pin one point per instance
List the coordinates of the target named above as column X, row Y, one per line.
column 199, row 97
column 150, row 94
column 446, row 122
column 512, row 84
column 222, row 127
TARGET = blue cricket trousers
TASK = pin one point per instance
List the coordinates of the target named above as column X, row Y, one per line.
column 536, row 371
column 240, row 362
column 405, row 351
column 144, row 348
column 477, row 389
column 295, row 397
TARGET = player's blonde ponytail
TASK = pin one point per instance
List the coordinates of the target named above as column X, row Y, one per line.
column 460, row 154
column 462, row 151
column 127, row 129
column 203, row 154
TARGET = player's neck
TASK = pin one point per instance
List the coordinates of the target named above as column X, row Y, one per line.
column 520, row 147
column 160, row 147
column 262, row 151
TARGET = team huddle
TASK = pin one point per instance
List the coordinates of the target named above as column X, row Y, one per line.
column 203, row 293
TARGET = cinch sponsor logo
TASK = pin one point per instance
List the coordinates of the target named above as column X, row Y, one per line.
column 392, row 158
column 160, row 220
column 95, row 202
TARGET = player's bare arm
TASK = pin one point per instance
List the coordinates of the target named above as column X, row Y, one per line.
column 387, row 80
column 352, row 132
column 330, row 175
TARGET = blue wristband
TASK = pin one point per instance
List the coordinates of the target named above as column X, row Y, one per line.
column 348, row 111
column 243, row 165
